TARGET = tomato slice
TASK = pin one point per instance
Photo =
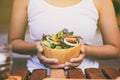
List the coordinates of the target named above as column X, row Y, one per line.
column 70, row 42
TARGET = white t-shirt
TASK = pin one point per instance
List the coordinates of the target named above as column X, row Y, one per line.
column 80, row 18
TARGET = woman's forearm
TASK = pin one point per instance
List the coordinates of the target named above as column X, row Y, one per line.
column 104, row 52
column 22, row 47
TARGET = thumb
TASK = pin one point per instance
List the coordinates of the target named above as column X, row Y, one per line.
column 39, row 47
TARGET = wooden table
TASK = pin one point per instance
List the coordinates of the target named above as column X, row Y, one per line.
column 71, row 74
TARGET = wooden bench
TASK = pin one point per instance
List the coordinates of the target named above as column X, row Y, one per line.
column 71, row 74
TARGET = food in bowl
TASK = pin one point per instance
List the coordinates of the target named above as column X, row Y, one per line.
column 64, row 45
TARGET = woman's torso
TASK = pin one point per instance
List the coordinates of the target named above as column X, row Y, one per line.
column 81, row 18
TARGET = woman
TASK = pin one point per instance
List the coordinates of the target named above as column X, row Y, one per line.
column 50, row 16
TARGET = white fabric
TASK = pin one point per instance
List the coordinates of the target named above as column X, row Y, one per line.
column 34, row 63
column 80, row 18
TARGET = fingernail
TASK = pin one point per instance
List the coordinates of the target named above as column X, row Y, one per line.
column 66, row 63
column 65, row 67
column 62, row 65
column 55, row 60
column 72, row 60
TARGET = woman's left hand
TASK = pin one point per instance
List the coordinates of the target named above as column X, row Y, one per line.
column 74, row 62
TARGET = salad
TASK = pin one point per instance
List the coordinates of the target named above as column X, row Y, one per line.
column 62, row 40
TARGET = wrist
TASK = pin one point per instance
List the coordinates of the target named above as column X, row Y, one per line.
column 87, row 47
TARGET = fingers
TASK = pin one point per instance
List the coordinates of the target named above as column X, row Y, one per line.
column 49, row 62
column 74, row 62
column 78, row 59
column 46, row 60
column 54, row 63
column 71, row 65
column 42, row 58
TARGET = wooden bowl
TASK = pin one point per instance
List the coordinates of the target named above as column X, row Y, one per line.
column 63, row 55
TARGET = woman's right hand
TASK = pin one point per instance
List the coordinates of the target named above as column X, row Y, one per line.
column 49, row 62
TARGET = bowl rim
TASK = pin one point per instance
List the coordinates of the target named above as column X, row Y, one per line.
column 80, row 42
